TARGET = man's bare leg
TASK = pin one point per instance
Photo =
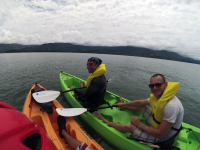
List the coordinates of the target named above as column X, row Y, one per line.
column 129, row 107
column 73, row 143
column 71, row 87
column 121, row 127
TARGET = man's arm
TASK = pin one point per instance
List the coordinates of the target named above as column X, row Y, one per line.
column 158, row 133
column 136, row 103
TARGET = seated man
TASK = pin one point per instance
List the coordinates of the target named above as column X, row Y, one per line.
column 73, row 143
column 164, row 117
column 96, row 84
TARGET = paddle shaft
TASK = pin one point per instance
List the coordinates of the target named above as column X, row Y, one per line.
column 101, row 107
column 72, row 89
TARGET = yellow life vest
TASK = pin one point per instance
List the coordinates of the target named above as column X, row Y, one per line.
column 157, row 105
column 98, row 72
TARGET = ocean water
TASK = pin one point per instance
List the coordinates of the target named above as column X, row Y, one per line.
column 19, row 71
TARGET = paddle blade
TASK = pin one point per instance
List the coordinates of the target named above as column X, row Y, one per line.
column 45, row 96
column 110, row 80
column 70, row 112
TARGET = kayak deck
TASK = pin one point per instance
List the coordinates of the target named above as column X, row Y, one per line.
column 48, row 122
column 186, row 139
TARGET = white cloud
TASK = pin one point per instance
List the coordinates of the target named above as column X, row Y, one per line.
column 171, row 25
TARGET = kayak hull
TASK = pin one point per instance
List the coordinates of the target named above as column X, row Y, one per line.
column 185, row 140
column 48, row 122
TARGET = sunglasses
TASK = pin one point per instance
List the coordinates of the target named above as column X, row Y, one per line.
column 151, row 86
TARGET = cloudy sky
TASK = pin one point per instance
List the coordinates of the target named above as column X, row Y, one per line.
column 172, row 25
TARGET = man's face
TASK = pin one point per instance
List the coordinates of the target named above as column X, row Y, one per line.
column 91, row 66
column 157, row 86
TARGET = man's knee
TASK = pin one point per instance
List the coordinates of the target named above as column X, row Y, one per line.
column 142, row 109
column 130, row 128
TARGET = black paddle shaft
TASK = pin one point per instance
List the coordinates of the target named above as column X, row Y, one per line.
column 72, row 89
column 93, row 109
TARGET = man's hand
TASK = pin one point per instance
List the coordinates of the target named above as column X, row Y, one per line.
column 135, row 121
column 71, row 88
column 119, row 104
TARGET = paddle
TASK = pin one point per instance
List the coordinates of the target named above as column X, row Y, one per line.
column 47, row 96
column 72, row 89
column 70, row 112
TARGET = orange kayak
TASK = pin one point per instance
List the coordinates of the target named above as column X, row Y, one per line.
column 48, row 122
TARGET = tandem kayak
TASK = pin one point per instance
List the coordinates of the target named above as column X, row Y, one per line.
column 187, row 139
column 48, row 122
column 17, row 131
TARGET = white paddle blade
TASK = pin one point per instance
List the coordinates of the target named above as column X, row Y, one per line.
column 45, row 96
column 70, row 112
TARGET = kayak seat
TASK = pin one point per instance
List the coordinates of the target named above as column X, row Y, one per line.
column 114, row 115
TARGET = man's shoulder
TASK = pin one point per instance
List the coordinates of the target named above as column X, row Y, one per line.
column 102, row 77
column 99, row 80
column 174, row 99
column 174, row 102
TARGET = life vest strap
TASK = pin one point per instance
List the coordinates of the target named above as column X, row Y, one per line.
column 154, row 119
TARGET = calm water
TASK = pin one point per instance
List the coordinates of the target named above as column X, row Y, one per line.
column 131, row 76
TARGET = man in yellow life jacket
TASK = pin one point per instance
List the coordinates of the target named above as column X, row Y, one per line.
column 164, row 117
column 96, row 84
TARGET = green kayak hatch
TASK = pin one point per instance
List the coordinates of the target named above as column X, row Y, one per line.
column 188, row 138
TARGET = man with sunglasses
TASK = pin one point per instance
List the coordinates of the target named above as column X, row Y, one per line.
column 164, row 117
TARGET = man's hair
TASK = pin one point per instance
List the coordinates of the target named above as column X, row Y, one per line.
column 95, row 60
column 157, row 74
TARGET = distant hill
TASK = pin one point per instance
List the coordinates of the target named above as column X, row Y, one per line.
column 117, row 50
column 7, row 47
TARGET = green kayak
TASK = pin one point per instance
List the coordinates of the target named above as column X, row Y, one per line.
column 188, row 138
